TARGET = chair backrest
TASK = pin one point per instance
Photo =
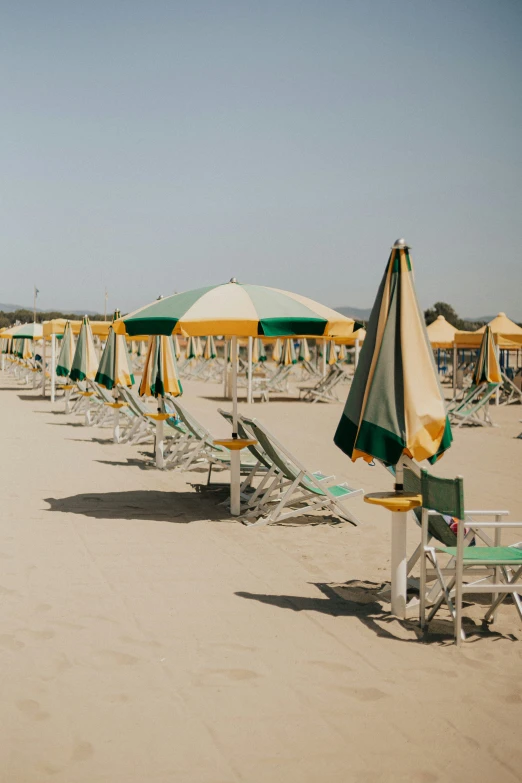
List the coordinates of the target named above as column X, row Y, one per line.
column 437, row 526
column 255, row 450
column 442, row 494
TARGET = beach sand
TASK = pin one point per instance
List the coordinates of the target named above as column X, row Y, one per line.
column 145, row 636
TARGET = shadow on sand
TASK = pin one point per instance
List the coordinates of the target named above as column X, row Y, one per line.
column 180, row 507
column 362, row 601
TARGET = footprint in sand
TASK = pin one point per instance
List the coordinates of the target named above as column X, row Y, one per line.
column 82, row 751
column 7, row 591
column 31, row 709
column 337, row 668
column 366, row 694
column 46, row 633
column 218, row 676
column 10, row 643
column 114, row 658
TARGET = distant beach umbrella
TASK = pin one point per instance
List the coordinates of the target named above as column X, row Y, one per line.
column 487, row 367
column 395, row 404
column 85, row 361
column 66, row 356
column 177, row 349
column 114, row 369
column 304, row 350
column 277, row 350
column 288, row 353
column 342, row 355
column 160, row 373
column 190, row 350
column 258, row 351
column 210, row 349
column 199, row 348
column 331, row 353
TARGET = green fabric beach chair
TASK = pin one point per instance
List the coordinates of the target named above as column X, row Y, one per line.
column 474, row 408
column 494, row 570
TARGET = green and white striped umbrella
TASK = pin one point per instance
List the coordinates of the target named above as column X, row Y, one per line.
column 234, row 309
column 66, row 356
column 258, row 351
column 210, row 348
column 304, row 351
column 114, row 369
column 160, row 373
column 85, row 362
column 288, row 356
column 487, row 368
column 395, row 404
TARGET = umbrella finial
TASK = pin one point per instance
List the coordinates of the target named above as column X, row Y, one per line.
column 400, row 244
column 233, row 280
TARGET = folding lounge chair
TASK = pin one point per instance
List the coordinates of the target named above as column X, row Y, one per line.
column 323, row 391
column 474, row 408
column 502, row 566
column 509, row 392
column 303, row 492
column 142, row 428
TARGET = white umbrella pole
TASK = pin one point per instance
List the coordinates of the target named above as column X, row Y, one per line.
column 235, row 455
column 455, row 361
column 324, row 358
column 225, row 372
column 44, row 368
column 116, row 425
column 356, row 354
column 249, row 392
column 53, row 367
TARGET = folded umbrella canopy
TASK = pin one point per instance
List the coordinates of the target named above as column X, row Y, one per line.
column 177, row 349
column 395, row 404
column 210, row 348
column 277, row 350
column 288, row 356
column 487, row 368
column 304, row 351
column 114, row 369
column 331, row 353
column 160, row 373
column 258, row 351
column 85, row 361
column 66, row 356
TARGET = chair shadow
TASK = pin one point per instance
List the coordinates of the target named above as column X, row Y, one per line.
column 362, row 601
column 130, row 462
column 153, row 505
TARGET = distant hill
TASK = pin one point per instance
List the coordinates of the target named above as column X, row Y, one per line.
column 11, row 308
column 357, row 313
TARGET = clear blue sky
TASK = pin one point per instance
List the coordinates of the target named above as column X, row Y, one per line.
column 157, row 146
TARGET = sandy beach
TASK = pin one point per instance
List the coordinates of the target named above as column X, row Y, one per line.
column 147, row 636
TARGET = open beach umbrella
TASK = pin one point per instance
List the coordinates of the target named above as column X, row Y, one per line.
column 66, row 356
column 258, row 351
column 331, row 353
column 160, row 373
column 395, row 404
column 29, row 331
column 85, row 361
column 288, row 356
column 236, row 310
column 304, row 351
column 487, row 368
column 210, row 348
column 114, row 369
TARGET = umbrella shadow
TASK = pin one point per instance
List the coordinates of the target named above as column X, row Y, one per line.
column 153, row 505
column 362, row 601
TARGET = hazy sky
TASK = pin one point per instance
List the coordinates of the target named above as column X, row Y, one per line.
column 157, row 146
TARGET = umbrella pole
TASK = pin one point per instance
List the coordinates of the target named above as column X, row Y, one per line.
column 53, row 368
column 44, row 368
column 356, row 354
column 160, row 436
column 235, row 455
column 225, row 371
column 324, row 358
column 249, row 392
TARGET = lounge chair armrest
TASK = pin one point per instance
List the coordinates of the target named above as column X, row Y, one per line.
column 473, row 524
column 484, row 513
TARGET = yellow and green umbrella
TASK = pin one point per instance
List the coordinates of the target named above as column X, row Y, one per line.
column 258, row 351
column 177, row 349
column 194, row 348
column 343, row 355
column 487, row 368
column 331, row 353
column 395, row 404
column 236, row 309
column 304, row 351
column 288, row 356
column 160, row 373
column 114, row 369
column 210, row 348
column 277, row 350
column 66, row 356
column 85, row 361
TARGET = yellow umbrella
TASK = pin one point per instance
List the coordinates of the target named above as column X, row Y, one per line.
column 441, row 333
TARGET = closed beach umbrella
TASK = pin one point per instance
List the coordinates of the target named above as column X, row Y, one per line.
column 288, row 356
column 343, row 356
column 160, row 373
column 190, row 351
column 199, row 348
column 395, row 404
column 331, row 353
column 85, row 361
column 487, row 368
column 304, row 351
column 210, row 348
column 258, row 351
column 65, row 359
column 177, row 349
column 114, row 369
column 277, row 350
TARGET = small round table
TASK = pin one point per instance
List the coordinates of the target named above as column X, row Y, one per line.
column 399, row 503
column 234, row 445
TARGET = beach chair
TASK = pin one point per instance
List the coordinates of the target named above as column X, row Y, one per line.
column 474, row 407
column 323, row 391
column 303, row 492
column 490, row 569
column 141, row 427
column 509, row 392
